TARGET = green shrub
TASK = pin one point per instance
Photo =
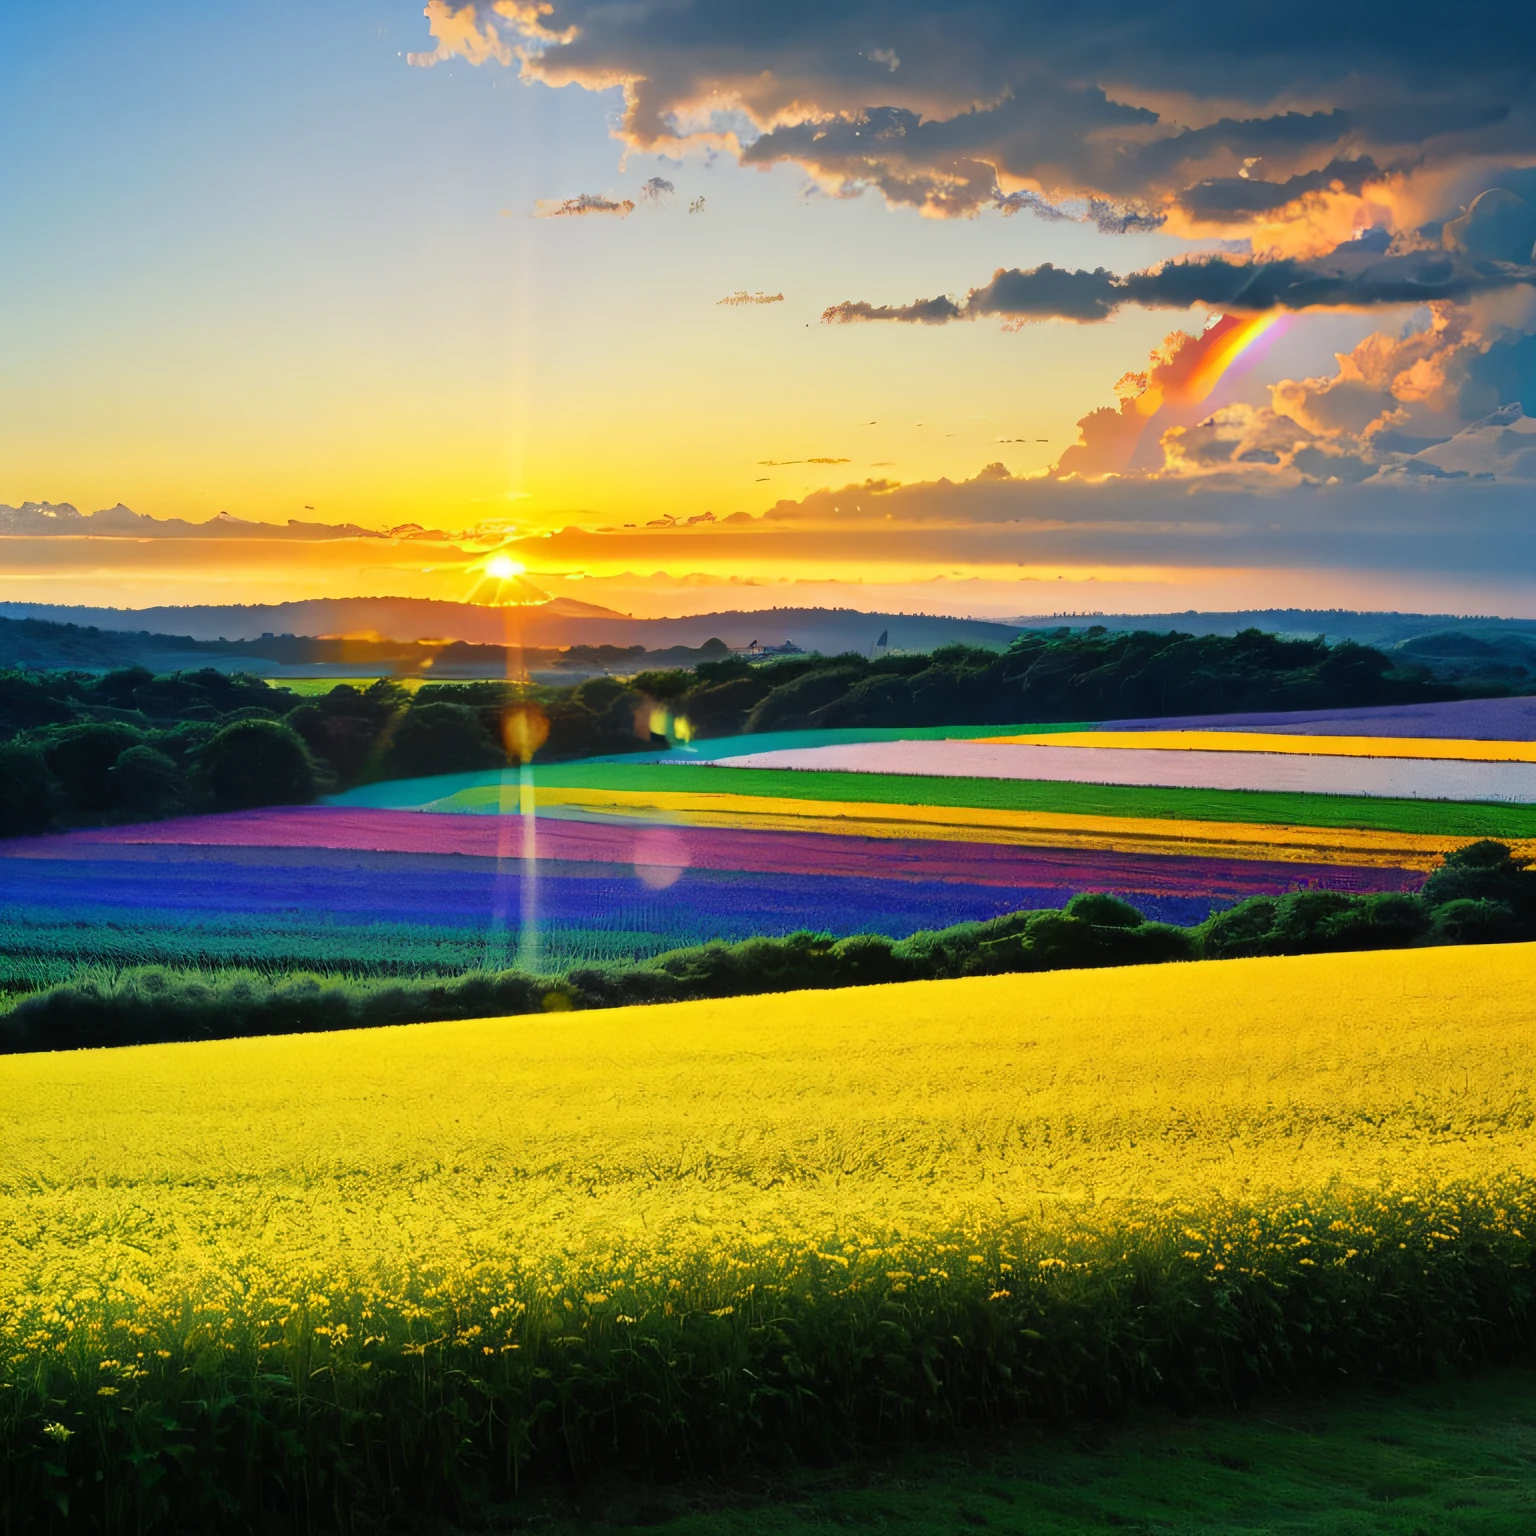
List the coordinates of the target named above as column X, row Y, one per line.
column 1483, row 871
column 441, row 738
column 1465, row 921
column 145, row 782
column 28, row 792
column 1103, row 909
column 256, row 762
column 81, row 758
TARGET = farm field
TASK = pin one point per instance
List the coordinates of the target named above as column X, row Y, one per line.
column 1167, row 762
column 684, row 1233
column 399, row 893
column 624, row 860
column 641, row 783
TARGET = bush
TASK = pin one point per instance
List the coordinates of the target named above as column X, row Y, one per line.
column 81, row 758
column 1484, row 871
column 1313, row 922
column 441, row 738
column 1105, row 910
column 1240, row 931
column 789, row 706
column 145, row 782
column 28, row 792
column 256, row 762
column 1054, row 941
column 1476, row 922
column 721, row 709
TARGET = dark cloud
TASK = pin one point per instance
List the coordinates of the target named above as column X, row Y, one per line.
column 657, row 188
column 951, row 109
column 1355, row 276
column 1231, row 199
column 926, row 311
column 1110, row 218
column 1498, row 226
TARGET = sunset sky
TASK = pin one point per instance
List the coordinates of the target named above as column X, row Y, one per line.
column 353, row 263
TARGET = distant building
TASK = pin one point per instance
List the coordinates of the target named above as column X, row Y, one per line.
column 756, row 649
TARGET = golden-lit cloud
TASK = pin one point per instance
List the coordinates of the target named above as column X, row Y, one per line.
column 1210, row 118
column 582, row 205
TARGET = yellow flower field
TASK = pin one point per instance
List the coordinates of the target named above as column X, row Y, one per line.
column 985, row 1170
column 1423, row 747
column 793, row 1120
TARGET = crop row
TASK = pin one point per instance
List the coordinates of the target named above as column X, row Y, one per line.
column 1448, row 818
column 1480, row 894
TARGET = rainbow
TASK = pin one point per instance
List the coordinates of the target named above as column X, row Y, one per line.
column 1224, row 345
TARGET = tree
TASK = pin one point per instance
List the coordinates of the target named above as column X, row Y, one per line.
column 1484, row 871
column 81, row 758
column 441, row 738
column 27, row 791
column 120, row 688
column 145, row 782
column 256, row 762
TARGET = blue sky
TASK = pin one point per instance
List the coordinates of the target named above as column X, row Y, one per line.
column 260, row 263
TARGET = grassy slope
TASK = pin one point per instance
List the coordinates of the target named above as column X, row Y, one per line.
column 1456, row 1456
column 1446, row 818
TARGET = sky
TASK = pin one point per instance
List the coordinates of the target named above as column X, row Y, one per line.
column 1001, row 308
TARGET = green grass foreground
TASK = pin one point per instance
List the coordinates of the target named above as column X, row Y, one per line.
column 1456, row 1457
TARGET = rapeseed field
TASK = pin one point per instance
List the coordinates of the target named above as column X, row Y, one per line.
column 319, row 1274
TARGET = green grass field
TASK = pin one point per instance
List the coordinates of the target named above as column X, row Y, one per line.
column 318, row 687
column 1456, row 1456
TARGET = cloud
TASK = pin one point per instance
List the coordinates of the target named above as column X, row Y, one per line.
column 1359, row 275
column 656, row 189
column 1430, row 527
column 460, row 34
column 1236, row 199
column 1110, row 218
column 922, row 311
column 1146, row 109
column 576, row 207
column 741, row 296
column 45, row 519
column 1499, row 225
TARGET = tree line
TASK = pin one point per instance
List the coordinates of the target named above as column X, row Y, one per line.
column 79, row 749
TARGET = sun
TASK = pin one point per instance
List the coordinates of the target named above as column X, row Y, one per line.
column 503, row 567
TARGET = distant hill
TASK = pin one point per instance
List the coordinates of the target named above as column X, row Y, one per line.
column 404, row 636
column 561, row 622
column 1380, row 629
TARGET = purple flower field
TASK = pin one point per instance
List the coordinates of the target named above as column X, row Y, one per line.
column 1460, row 720
column 326, row 886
